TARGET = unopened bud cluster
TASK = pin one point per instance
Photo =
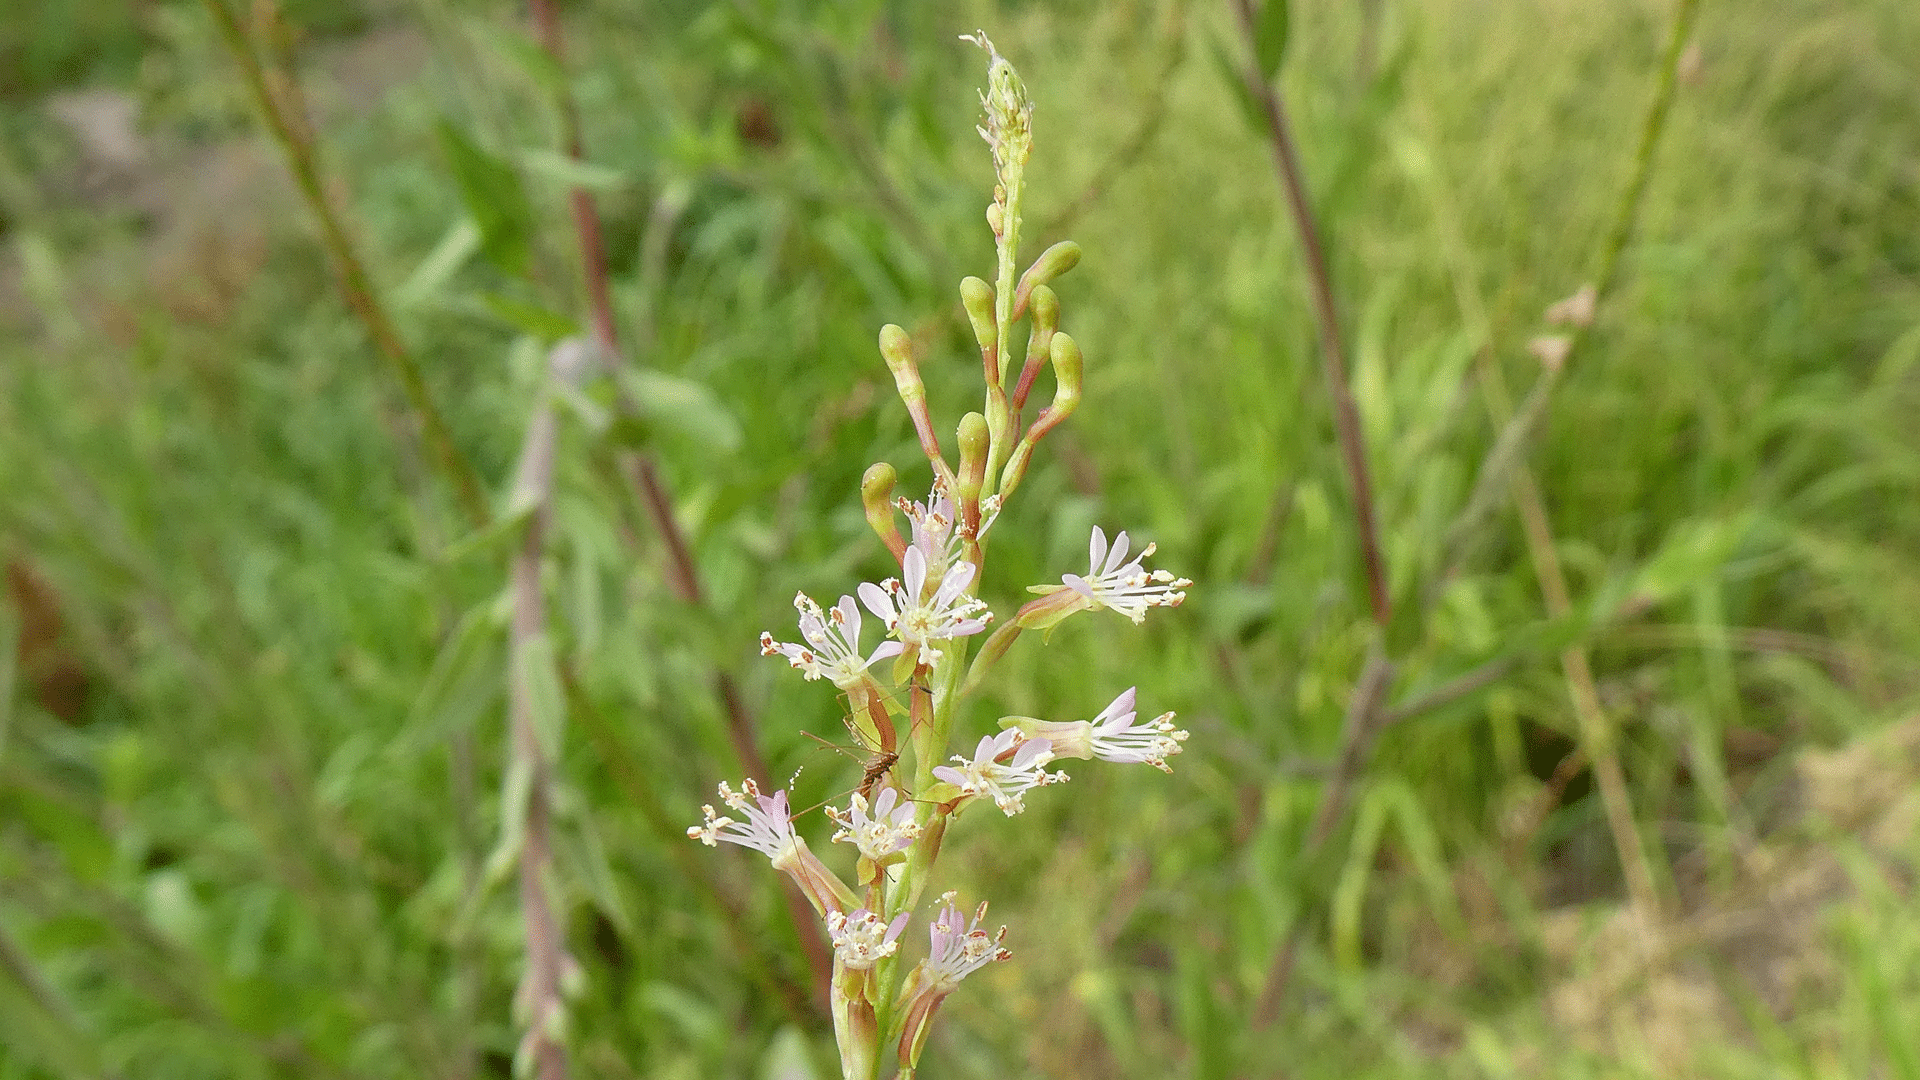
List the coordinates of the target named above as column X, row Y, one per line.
column 904, row 695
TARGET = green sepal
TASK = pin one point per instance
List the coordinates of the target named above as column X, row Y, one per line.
column 941, row 792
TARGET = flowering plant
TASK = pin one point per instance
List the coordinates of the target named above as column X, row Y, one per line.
column 920, row 673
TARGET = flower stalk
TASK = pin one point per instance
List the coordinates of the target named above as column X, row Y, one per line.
column 918, row 673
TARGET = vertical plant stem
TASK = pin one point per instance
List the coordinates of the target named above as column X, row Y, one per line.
column 586, row 215
column 1365, row 705
column 539, row 999
column 286, row 121
column 1598, row 735
column 1346, row 415
column 1599, row 738
column 643, row 473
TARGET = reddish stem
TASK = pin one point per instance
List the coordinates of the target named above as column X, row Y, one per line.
column 1346, row 415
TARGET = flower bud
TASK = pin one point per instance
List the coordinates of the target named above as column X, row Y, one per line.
column 977, row 295
column 1046, row 320
column 1052, row 262
column 876, row 497
column 974, row 444
column 1067, row 364
column 897, row 348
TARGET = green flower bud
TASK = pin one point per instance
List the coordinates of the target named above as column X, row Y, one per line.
column 897, row 348
column 1067, row 364
column 977, row 295
column 1052, row 262
column 876, row 497
column 974, row 443
column 1046, row 320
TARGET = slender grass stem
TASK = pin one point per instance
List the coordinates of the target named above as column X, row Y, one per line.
column 284, row 114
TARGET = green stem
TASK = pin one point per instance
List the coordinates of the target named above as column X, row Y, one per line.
column 303, row 161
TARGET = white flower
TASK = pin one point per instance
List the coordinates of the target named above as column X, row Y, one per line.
column 861, row 940
column 959, row 949
column 1003, row 783
column 1125, row 586
column 768, row 829
column 931, row 524
column 934, row 528
column 1111, row 736
column 887, row 829
column 832, row 648
column 919, row 616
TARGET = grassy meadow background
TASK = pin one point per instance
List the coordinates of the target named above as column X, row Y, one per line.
column 252, row 724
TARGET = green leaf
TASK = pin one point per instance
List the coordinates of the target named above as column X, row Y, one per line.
column 1270, row 37
column 495, row 199
column 569, row 172
column 548, row 326
column 1230, row 71
column 463, row 682
column 525, row 55
column 681, row 406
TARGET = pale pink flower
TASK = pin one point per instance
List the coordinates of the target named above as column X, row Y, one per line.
column 1111, row 736
column 889, row 828
column 768, row 829
column 1124, row 585
column 919, row 616
column 861, row 940
column 832, row 648
column 1002, row 782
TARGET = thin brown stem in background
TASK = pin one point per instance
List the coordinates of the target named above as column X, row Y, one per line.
column 1346, row 414
column 286, row 119
column 643, row 473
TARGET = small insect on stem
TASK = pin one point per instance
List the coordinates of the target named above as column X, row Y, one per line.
column 876, row 769
column 875, row 765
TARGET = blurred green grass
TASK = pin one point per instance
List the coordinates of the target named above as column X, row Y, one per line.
column 248, row 850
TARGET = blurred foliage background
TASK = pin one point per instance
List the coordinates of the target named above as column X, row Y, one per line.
column 251, row 701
